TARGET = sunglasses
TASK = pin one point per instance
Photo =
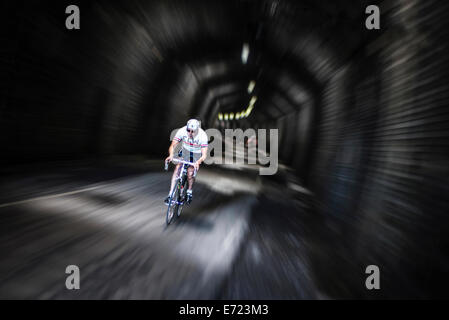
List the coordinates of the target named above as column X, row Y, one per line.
column 190, row 130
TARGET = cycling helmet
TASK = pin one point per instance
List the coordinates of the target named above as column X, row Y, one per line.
column 193, row 124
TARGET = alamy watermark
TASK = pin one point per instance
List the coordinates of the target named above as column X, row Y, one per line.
column 238, row 146
column 73, row 20
column 72, row 282
column 373, row 280
column 373, row 20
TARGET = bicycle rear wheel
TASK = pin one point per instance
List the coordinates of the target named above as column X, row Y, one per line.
column 173, row 204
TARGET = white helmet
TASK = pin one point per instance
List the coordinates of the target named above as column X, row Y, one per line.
column 193, row 124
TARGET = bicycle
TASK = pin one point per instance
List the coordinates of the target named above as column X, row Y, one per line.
column 178, row 195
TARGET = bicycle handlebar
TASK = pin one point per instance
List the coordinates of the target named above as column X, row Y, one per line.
column 175, row 160
column 183, row 161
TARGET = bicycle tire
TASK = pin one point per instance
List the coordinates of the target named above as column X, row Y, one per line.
column 181, row 196
column 172, row 205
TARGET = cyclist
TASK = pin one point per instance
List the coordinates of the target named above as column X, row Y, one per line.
column 194, row 149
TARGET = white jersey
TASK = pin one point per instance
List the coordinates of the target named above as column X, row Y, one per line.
column 192, row 145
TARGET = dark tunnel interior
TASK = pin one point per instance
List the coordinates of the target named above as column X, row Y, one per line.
column 363, row 135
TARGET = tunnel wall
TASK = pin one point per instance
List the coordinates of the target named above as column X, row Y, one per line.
column 380, row 170
column 108, row 88
column 294, row 137
column 70, row 94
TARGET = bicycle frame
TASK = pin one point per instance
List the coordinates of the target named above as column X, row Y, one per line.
column 182, row 176
column 180, row 185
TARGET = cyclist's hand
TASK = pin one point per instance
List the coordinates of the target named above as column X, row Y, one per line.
column 197, row 165
column 169, row 159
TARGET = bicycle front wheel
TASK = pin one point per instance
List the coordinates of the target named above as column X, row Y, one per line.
column 173, row 204
column 182, row 198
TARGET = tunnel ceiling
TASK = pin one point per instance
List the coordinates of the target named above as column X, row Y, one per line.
column 293, row 48
column 283, row 38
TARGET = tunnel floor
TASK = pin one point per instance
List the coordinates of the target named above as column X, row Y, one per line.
column 241, row 238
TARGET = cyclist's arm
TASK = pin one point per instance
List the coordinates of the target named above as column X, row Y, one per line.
column 203, row 155
column 173, row 145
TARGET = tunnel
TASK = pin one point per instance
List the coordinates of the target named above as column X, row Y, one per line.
column 361, row 122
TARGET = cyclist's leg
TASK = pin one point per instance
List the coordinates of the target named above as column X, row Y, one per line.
column 190, row 177
column 174, row 177
column 190, row 171
column 176, row 171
